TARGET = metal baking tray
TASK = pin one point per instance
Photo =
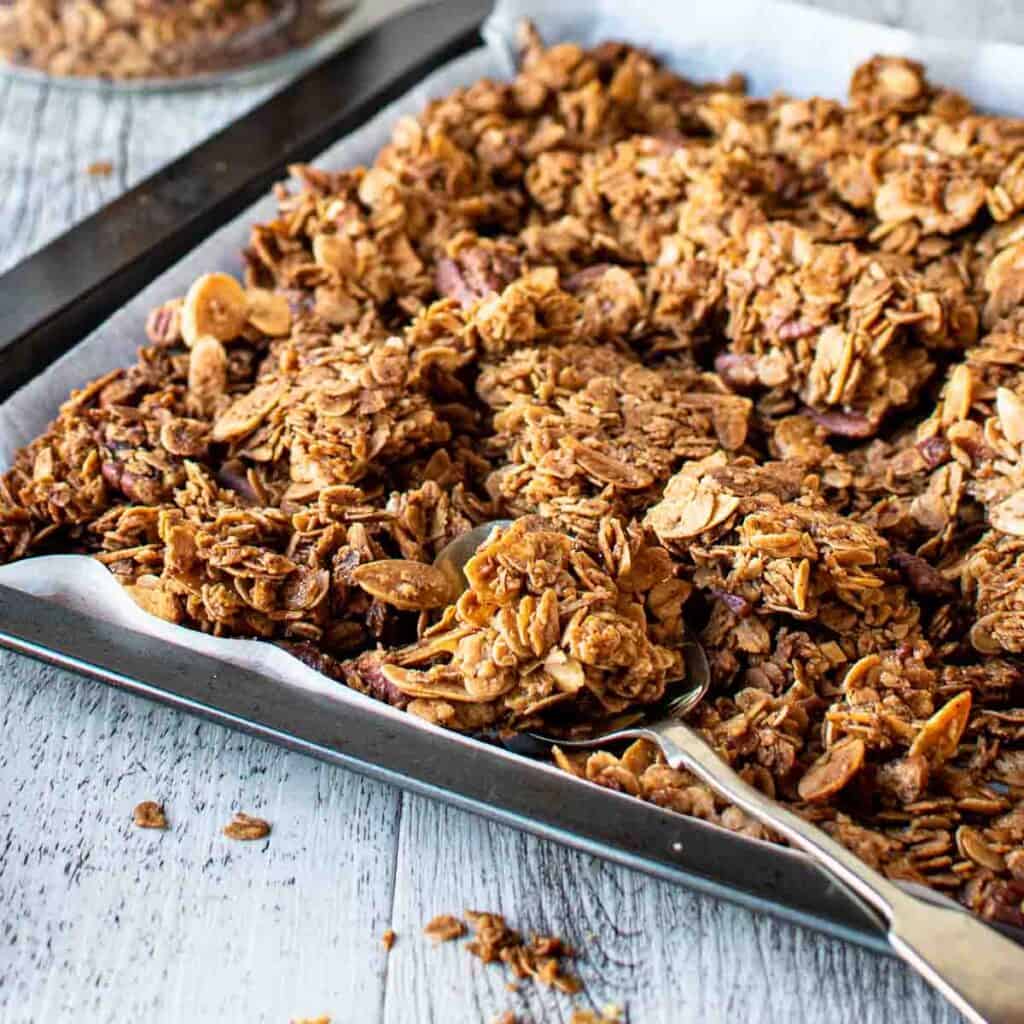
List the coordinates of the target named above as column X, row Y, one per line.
column 55, row 297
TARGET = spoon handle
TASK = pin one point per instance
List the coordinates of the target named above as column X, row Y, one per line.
column 978, row 970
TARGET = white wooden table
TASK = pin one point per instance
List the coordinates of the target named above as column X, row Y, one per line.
column 100, row 921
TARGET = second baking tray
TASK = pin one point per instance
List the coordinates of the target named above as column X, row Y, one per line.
column 54, row 298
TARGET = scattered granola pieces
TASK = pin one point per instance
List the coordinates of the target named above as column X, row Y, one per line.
column 540, row 958
column 149, row 814
column 388, row 940
column 246, row 827
column 444, row 928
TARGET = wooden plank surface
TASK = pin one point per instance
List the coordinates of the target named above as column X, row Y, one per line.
column 104, row 922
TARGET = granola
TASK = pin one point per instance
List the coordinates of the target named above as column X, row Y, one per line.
column 493, row 941
column 246, row 827
column 149, row 814
column 749, row 367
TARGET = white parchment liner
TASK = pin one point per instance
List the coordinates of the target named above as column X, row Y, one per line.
column 778, row 46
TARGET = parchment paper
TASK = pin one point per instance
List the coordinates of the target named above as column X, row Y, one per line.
column 778, row 46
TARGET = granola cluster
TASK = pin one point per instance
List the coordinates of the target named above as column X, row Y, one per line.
column 130, row 39
column 755, row 366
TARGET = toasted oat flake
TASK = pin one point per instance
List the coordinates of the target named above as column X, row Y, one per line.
column 444, row 928
column 246, row 827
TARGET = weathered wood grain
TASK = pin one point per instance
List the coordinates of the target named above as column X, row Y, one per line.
column 103, row 922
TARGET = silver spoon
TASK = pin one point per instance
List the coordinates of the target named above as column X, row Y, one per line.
column 978, row 970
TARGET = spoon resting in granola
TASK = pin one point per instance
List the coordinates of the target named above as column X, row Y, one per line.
column 971, row 964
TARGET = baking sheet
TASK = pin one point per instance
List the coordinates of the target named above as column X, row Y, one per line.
column 707, row 42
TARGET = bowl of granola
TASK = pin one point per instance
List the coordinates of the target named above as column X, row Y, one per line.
column 161, row 42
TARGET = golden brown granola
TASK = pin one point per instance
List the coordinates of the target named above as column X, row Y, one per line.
column 149, row 814
column 246, row 827
column 752, row 364
column 388, row 939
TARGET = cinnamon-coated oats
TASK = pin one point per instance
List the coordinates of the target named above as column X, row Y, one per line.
column 753, row 364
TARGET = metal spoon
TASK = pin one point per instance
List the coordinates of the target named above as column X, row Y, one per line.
column 978, row 970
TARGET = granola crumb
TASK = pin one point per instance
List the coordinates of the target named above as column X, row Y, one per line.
column 100, row 169
column 611, row 1013
column 149, row 814
column 508, row 1017
column 310, row 1020
column 388, row 940
column 444, row 928
column 246, row 827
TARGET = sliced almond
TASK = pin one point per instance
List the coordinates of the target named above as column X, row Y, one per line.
column 940, row 735
column 248, row 412
column 336, row 252
column 970, row 843
column 406, row 585
column 422, row 685
column 832, row 771
column 566, row 671
column 1008, row 515
column 269, row 312
column 1010, row 409
column 956, row 402
column 215, row 305
column 608, row 470
column 981, row 636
